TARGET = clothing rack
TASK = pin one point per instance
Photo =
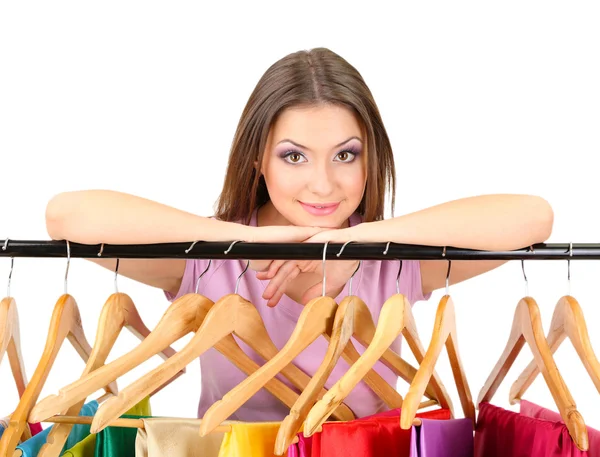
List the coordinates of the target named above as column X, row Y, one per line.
column 293, row 251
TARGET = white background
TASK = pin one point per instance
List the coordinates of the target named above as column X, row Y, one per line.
column 144, row 97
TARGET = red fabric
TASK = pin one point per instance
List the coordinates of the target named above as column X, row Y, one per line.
column 502, row 433
column 379, row 435
column 530, row 409
column 35, row 428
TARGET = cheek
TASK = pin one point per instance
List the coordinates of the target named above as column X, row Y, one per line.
column 352, row 180
column 282, row 182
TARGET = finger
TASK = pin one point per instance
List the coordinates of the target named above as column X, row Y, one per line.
column 273, row 268
column 277, row 286
column 313, row 292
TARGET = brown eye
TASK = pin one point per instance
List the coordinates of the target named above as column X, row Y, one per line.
column 295, row 157
column 343, row 156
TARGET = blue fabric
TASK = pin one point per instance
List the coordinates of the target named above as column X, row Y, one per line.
column 32, row 446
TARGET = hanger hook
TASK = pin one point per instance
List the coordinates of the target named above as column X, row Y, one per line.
column 116, row 276
column 324, row 255
column 187, row 251
column 237, row 282
column 569, row 267
column 387, row 246
column 448, row 277
column 359, row 264
column 12, row 264
column 529, row 249
column 230, row 246
column 68, row 263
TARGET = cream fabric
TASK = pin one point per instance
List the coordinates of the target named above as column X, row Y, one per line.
column 172, row 437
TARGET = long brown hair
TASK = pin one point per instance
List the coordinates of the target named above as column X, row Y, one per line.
column 304, row 78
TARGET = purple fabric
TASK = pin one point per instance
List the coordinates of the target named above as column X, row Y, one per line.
column 450, row 438
column 374, row 283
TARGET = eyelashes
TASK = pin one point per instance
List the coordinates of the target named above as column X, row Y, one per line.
column 353, row 151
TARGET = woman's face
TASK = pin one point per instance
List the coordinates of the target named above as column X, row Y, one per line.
column 315, row 166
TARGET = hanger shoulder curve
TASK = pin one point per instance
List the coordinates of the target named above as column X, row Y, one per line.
column 65, row 323
column 341, row 332
column 316, row 318
column 567, row 321
column 527, row 328
column 10, row 342
column 180, row 319
column 389, row 327
column 444, row 334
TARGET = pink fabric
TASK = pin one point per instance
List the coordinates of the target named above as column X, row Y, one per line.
column 374, row 282
column 502, row 433
column 530, row 409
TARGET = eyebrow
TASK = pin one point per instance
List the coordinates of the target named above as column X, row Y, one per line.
column 304, row 147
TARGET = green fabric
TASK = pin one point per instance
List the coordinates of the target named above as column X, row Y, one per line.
column 120, row 441
column 84, row 448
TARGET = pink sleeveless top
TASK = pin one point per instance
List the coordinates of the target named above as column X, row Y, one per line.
column 374, row 283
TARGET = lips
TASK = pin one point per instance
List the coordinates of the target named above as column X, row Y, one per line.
column 320, row 209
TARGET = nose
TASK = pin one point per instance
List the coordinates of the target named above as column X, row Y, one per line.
column 322, row 181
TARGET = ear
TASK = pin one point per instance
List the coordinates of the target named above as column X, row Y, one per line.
column 257, row 168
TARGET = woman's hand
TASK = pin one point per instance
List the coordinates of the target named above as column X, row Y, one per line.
column 337, row 272
column 279, row 234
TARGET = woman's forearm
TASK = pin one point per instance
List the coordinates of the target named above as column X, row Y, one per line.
column 104, row 216
column 488, row 222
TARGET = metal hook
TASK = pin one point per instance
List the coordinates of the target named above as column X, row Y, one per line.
column 68, row 263
column 101, row 249
column 448, row 276
column 116, row 275
column 228, row 249
column 324, row 255
column 530, row 249
column 187, row 251
column 203, row 273
column 237, row 282
column 387, row 246
column 569, row 267
column 12, row 264
column 359, row 264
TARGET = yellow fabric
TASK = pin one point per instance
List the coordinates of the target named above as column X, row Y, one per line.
column 141, row 409
column 250, row 439
column 174, row 437
column 85, row 448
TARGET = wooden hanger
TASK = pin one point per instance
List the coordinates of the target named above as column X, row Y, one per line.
column 65, row 324
column 118, row 312
column 527, row 328
column 10, row 342
column 352, row 318
column 444, row 334
column 391, row 323
column 567, row 321
column 230, row 314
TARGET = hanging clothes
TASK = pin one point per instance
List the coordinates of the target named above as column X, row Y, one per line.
column 250, row 439
column 303, row 448
column 379, row 435
column 176, row 438
column 502, row 433
column 120, row 441
column 530, row 409
column 442, row 438
column 32, row 446
column 33, row 428
column 374, row 283
column 85, row 448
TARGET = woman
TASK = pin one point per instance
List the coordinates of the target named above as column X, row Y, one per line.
column 310, row 162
